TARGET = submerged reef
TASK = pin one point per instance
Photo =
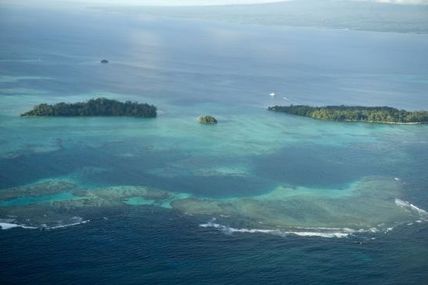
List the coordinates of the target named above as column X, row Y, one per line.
column 94, row 107
column 355, row 114
column 366, row 204
column 370, row 204
column 54, row 203
column 207, row 120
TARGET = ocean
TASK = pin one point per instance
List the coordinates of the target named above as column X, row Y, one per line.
column 259, row 197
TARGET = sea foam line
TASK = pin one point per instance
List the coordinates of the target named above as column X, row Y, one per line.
column 410, row 206
column 7, row 226
column 317, row 232
column 333, row 233
column 66, row 225
column 10, row 224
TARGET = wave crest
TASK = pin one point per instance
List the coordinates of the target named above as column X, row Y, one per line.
column 409, row 206
column 303, row 232
column 10, row 224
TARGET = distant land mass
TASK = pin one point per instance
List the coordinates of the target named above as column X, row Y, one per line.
column 350, row 15
column 94, row 107
column 386, row 115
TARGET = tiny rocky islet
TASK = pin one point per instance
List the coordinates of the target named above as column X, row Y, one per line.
column 207, row 120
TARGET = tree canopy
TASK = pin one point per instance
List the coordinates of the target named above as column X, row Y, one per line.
column 94, row 107
column 355, row 113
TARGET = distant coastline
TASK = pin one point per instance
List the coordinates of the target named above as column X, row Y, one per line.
column 379, row 115
column 92, row 108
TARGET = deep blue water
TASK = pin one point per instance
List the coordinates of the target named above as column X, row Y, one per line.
column 140, row 247
column 189, row 67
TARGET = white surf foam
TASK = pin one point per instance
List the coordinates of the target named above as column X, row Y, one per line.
column 66, row 225
column 320, row 232
column 75, row 221
column 10, row 224
column 7, row 226
column 409, row 206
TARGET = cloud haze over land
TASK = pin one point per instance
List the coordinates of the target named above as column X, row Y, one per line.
column 178, row 2
column 403, row 1
column 403, row 16
column 142, row 2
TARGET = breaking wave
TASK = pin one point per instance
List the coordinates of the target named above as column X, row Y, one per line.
column 409, row 206
column 10, row 224
column 303, row 232
column 7, row 226
column 323, row 232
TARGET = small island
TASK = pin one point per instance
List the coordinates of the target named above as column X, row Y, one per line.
column 207, row 120
column 94, row 107
column 385, row 115
column 104, row 61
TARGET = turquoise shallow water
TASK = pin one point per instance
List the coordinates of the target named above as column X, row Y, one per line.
column 284, row 181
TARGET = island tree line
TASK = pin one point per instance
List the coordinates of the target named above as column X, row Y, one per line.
column 94, row 107
column 355, row 113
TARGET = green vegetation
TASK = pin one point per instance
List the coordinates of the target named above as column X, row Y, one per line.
column 207, row 120
column 355, row 114
column 94, row 107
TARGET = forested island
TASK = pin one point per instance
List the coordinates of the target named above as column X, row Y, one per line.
column 355, row 114
column 94, row 107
